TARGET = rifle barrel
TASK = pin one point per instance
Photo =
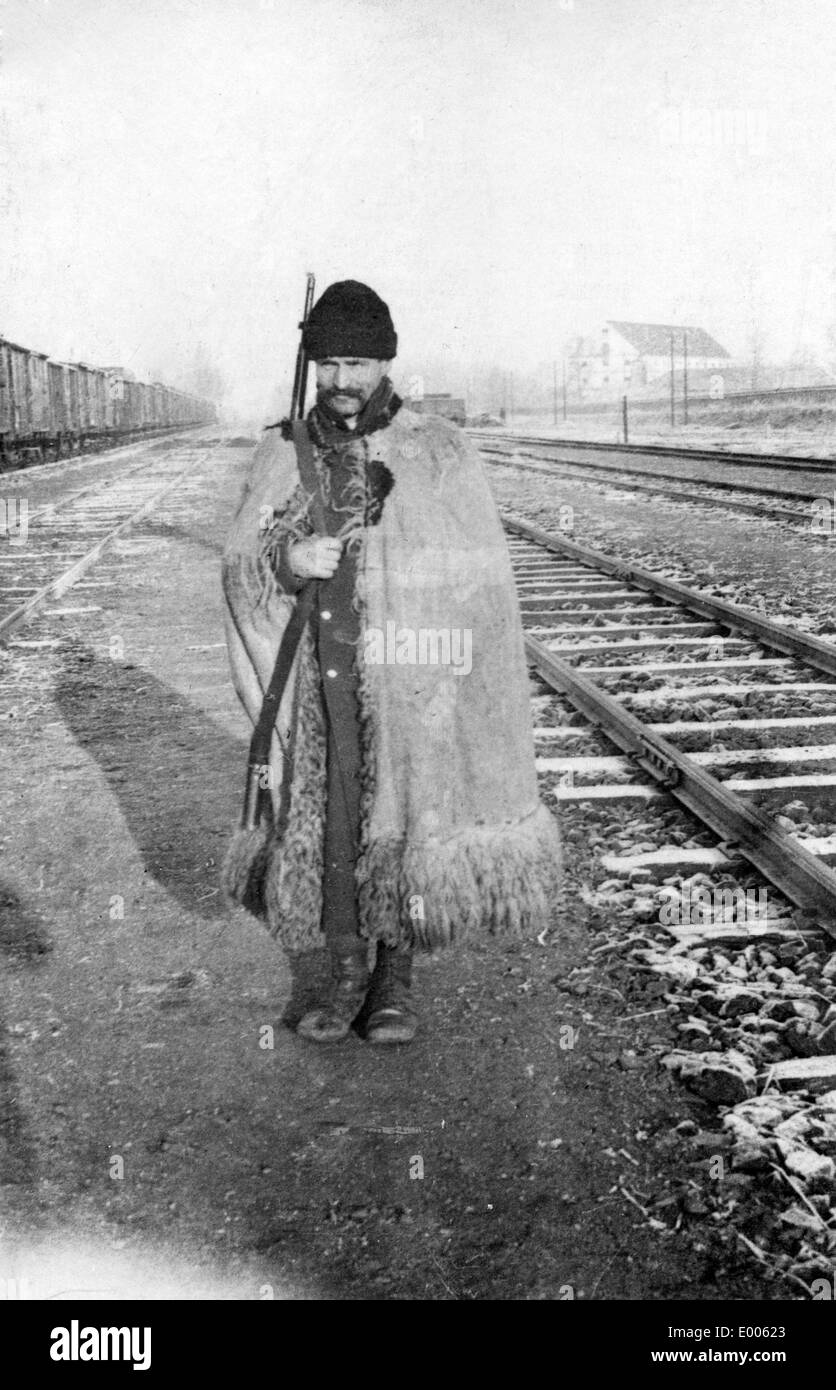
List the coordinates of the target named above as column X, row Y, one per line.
column 300, row 377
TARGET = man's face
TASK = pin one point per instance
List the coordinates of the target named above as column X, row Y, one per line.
column 347, row 382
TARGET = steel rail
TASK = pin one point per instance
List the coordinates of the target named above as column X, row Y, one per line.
column 722, row 484
column 803, row 878
column 794, row 461
column 56, row 587
column 812, row 650
column 49, row 510
column 663, row 488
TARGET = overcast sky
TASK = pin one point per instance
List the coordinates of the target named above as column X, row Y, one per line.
column 502, row 173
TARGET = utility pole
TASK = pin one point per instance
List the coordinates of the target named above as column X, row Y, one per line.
column 564, row 388
column 673, row 399
column 685, row 375
column 624, row 417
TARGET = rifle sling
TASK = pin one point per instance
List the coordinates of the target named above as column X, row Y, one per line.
column 259, row 755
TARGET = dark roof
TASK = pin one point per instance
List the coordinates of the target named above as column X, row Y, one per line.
column 654, row 339
column 16, row 347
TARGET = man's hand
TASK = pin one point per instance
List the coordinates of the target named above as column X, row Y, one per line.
column 315, row 559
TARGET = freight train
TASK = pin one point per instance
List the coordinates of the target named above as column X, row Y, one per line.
column 51, row 409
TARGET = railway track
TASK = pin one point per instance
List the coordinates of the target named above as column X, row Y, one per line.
column 95, row 448
column 13, row 480
column 776, row 500
column 49, row 554
column 731, row 713
column 670, row 451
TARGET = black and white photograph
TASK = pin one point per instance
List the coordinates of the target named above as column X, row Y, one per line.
column 418, row 663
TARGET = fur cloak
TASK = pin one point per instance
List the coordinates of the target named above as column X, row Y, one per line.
column 454, row 842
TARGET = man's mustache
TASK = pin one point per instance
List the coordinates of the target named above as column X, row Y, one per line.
column 335, row 391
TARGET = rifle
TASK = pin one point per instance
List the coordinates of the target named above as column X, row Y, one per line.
column 254, row 798
column 300, row 376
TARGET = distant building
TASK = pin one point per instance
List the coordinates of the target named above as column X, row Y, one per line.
column 442, row 403
column 626, row 356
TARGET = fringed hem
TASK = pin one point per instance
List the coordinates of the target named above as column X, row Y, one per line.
column 278, row 876
column 292, row 524
column 253, row 877
column 504, row 880
column 244, row 867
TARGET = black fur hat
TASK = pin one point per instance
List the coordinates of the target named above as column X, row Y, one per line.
column 350, row 320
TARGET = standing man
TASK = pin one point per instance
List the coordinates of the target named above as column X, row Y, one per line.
column 404, row 801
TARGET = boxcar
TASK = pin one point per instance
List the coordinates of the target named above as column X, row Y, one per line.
column 97, row 387
column 73, row 408
column 134, row 407
column 115, row 401
column 58, row 400
column 86, row 399
column 21, row 392
column 7, row 419
column 451, row 407
column 25, row 409
column 37, row 364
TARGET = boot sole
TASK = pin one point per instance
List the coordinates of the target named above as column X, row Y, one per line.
column 389, row 1031
column 311, row 1034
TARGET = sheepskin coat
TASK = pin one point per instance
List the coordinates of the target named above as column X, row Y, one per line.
column 454, row 843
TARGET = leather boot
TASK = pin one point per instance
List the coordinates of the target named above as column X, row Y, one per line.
column 331, row 1020
column 389, row 1016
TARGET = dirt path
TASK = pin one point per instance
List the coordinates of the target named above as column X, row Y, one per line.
column 164, row 1133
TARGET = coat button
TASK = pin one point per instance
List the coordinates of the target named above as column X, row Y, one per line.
column 331, row 673
column 325, row 614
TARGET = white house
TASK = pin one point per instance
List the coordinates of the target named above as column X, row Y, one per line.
column 629, row 355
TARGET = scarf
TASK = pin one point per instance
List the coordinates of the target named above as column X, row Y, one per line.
column 334, row 443
column 370, row 481
column 329, row 431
